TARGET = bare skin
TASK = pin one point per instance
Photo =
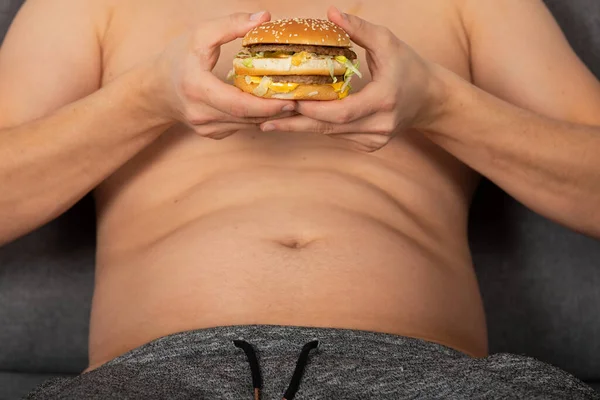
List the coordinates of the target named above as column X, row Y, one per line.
column 289, row 228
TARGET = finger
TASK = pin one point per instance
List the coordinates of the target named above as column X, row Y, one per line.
column 363, row 141
column 375, row 38
column 300, row 123
column 223, row 30
column 238, row 104
column 367, row 142
column 200, row 114
column 379, row 124
column 222, row 117
column 368, row 101
column 220, row 130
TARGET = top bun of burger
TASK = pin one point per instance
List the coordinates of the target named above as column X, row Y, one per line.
column 316, row 32
column 300, row 59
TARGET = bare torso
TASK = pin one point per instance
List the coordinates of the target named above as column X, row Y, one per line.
column 279, row 228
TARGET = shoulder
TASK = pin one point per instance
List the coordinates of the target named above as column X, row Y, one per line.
column 433, row 28
column 475, row 12
column 51, row 56
column 90, row 15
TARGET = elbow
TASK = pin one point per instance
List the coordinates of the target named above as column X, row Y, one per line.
column 573, row 209
column 594, row 228
column 590, row 216
column 583, row 216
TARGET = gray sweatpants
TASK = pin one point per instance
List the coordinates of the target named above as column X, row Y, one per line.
column 275, row 362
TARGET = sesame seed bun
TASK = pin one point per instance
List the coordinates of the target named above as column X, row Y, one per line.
column 302, row 92
column 309, row 31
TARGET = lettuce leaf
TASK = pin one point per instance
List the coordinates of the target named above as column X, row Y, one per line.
column 346, row 84
column 230, row 75
column 353, row 68
column 350, row 68
column 248, row 62
column 331, row 69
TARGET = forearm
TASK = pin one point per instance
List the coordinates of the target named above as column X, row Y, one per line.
column 553, row 167
column 49, row 164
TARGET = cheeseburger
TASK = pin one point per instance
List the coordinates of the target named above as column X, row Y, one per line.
column 298, row 59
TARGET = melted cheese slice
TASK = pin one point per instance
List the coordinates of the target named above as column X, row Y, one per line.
column 278, row 87
column 338, row 88
column 300, row 58
column 283, row 87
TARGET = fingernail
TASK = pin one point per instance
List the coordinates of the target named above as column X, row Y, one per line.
column 268, row 127
column 341, row 13
column 256, row 16
column 344, row 15
column 289, row 107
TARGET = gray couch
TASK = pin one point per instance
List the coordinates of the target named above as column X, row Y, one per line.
column 540, row 282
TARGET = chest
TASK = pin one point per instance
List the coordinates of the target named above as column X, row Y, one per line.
column 139, row 30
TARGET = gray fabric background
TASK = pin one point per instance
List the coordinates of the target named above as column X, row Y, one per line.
column 540, row 282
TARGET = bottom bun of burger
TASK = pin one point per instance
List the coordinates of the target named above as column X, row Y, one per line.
column 289, row 91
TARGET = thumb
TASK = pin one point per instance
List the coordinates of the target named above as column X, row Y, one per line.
column 224, row 30
column 363, row 33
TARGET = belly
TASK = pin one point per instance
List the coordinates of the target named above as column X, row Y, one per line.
column 276, row 244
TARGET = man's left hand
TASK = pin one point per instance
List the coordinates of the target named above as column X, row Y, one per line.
column 402, row 94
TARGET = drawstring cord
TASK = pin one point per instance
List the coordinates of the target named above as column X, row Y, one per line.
column 256, row 377
column 255, row 369
column 297, row 377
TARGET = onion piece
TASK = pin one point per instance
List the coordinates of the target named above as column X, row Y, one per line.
column 263, row 86
column 247, row 79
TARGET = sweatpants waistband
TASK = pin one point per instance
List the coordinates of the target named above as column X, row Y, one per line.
column 273, row 362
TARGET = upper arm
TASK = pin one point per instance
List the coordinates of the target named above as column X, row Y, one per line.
column 519, row 54
column 51, row 57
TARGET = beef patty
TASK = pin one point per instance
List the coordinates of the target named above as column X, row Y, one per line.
column 297, row 48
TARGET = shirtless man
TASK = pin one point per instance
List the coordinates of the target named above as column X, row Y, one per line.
column 343, row 223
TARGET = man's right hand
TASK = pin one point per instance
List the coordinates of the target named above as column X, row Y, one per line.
column 189, row 92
